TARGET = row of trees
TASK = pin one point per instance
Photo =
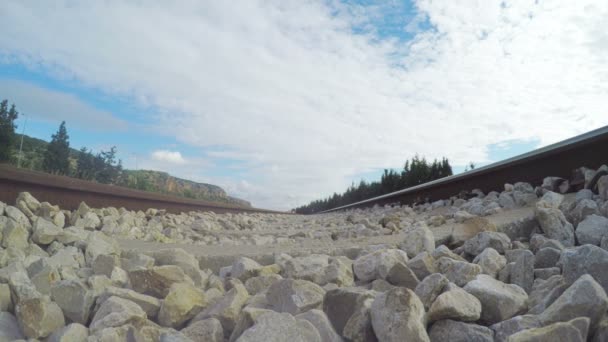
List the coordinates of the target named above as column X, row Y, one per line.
column 416, row 171
column 57, row 157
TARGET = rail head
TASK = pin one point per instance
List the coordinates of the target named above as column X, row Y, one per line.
column 543, row 152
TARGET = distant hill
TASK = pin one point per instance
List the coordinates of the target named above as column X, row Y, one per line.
column 146, row 180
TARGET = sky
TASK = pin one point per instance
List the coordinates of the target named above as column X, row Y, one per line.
column 284, row 101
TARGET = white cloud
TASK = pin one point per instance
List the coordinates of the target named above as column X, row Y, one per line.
column 171, row 157
column 54, row 106
column 288, row 88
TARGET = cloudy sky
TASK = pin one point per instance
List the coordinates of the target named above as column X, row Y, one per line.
column 283, row 101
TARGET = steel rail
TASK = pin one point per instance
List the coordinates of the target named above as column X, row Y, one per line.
column 68, row 192
column 559, row 159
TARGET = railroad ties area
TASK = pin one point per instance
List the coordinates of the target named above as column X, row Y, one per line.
column 515, row 251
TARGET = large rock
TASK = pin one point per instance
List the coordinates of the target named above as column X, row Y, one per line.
column 582, row 210
column 575, row 330
column 247, row 318
column 208, row 330
column 377, row 264
column 593, row 260
column 6, row 303
column 602, row 187
column 545, row 292
column 547, row 257
column 401, row 275
column 9, row 327
column 75, row 300
column 294, row 296
column 591, row 230
column 522, row 273
column 554, row 224
column 455, row 304
column 417, row 241
column 431, row 287
column 311, row 267
column 339, row 272
column 498, row 241
column 453, row 331
column 18, row 216
column 157, row 281
column 490, row 261
column 151, row 305
column 98, row 243
column 179, row 257
column 45, row 232
column 584, row 298
column 182, row 303
column 244, row 268
column 14, row 235
column 278, row 327
column 116, row 312
column 458, row 272
column 398, row 314
column 39, row 317
column 74, row 332
column 226, row 309
column 322, row 324
column 359, row 327
column 259, row 284
column 29, row 201
column 499, row 301
column 504, row 329
column 342, row 303
column 422, row 265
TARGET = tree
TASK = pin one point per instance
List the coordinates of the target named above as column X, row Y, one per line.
column 56, row 158
column 7, row 130
column 85, row 165
column 469, row 167
column 108, row 170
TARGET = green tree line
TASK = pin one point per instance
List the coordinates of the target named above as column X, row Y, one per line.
column 415, row 171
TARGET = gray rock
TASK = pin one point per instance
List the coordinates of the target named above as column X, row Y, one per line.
column 401, row 275
column 430, row 287
column 180, row 258
column 443, row 251
column 75, row 300
column 591, row 230
column 182, row 303
column 584, row 298
column 226, row 309
column 116, row 312
column 602, row 187
column 490, row 261
column 6, row 302
column 157, row 281
column 39, row 317
column 14, row 235
column 341, row 304
column 339, row 272
column 499, row 301
column 311, row 267
column 547, row 257
column 149, row 304
column 555, row 226
column 422, row 265
column 244, row 268
column 398, row 314
column 552, row 199
column 322, row 324
column 453, row 331
column 44, row 232
column 74, row 332
column 506, row 201
column 376, row 265
column 98, row 243
column 601, row 331
column 504, row 329
column 575, row 331
column 359, row 328
column 455, row 304
column 582, row 210
column 278, row 327
column 499, row 241
column 43, row 275
column 587, row 259
column 458, row 272
column 206, row 330
column 9, row 327
column 17, row 216
column 247, row 318
column 104, row 264
column 259, row 284
column 295, row 296
column 522, row 273
column 545, row 292
column 417, row 241
column 546, row 273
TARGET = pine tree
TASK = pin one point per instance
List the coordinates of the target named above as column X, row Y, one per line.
column 56, row 158
column 85, row 165
column 7, row 130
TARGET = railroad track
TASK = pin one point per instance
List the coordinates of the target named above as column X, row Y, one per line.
column 69, row 192
column 559, row 160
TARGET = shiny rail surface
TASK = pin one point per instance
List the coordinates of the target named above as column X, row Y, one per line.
column 69, row 192
column 559, row 160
